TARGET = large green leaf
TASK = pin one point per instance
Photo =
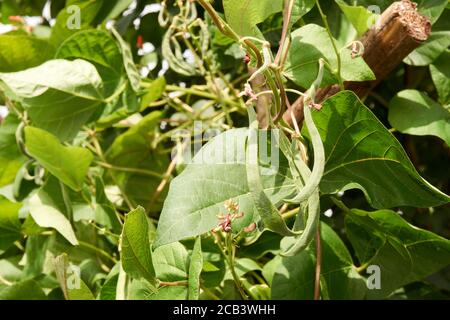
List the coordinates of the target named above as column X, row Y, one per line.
column 403, row 252
column 413, row 112
column 440, row 73
column 11, row 159
column 25, row 290
column 69, row 164
column 19, row 52
column 84, row 11
column 293, row 277
column 48, row 209
column 244, row 15
column 361, row 153
column 136, row 255
column 73, row 290
column 217, row 173
column 133, row 149
column 98, row 47
column 311, row 42
column 300, row 8
column 9, row 223
column 130, row 67
column 112, row 9
column 35, row 253
column 171, row 262
column 431, row 8
column 141, row 290
column 430, row 50
column 195, row 268
column 359, row 16
column 59, row 95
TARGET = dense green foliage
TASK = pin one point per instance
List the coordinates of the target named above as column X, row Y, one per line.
column 131, row 164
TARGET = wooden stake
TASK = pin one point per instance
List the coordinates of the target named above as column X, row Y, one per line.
column 399, row 30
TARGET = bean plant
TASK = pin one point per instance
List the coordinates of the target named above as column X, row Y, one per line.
column 184, row 149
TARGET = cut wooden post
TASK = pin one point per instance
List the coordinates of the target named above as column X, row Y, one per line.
column 399, row 30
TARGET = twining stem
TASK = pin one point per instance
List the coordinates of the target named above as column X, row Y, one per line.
column 173, row 283
column 283, row 96
column 290, row 213
column 341, row 205
column 231, row 253
column 228, row 31
column 131, row 170
column 211, row 294
column 97, row 250
column 165, row 180
column 5, row 282
column 287, row 13
column 229, row 258
column 318, row 264
column 333, row 42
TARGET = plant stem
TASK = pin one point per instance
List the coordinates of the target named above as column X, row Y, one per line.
column 209, row 293
column 131, row 170
column 228, row 31
column 287, row 13
column 97, row 250
column 173, row 283
column 318, row 264
column 231, row 252
column 333, row 42
column 230, row 261
column 5, row 282
column 341, row 205
column 290, row 213
column 191, row 91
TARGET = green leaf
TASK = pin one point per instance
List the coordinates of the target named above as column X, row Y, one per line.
column 430, row 50
column 361, row 153
column 108, row 290
column 217, row 174
column 112, row 9
column 270, row 216
column 69, row 164
column 47, row 208
column 136, row 255
column 105, row 213
column 244, row 15
column 141, row 290
column 440, row 73
column 413, row 112
column 65, row 24
column 130, row 67
column 72, row 286
column 338, row 272
column 11, row 159
column 171, row 262
column 195, row 268
column 25, row 290
column 133, row 149
column 311, row 42
column 361, row 18
column 403, row 252
column 431, row 8
column 59, row 95
column 300, row 8
column 9, row 223
column 154, row 91
column 294, row 276
column 99, row 48
column 35, row 253
column 19, row 52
